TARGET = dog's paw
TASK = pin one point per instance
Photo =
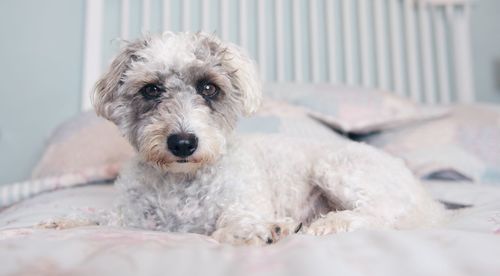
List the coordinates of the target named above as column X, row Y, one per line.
column 340, row 222
column 256, row 234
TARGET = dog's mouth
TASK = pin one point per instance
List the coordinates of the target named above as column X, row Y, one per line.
column 187, row 160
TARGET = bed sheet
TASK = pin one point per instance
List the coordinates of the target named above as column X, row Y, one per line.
column 468, row 245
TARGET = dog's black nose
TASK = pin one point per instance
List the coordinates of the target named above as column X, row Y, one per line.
column 182, row 144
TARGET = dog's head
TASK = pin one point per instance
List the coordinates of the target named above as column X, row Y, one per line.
column 176, row 97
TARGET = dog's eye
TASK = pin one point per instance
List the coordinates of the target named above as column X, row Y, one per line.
column 207, row 89
column 151, row 91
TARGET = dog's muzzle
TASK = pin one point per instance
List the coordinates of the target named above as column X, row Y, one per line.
column 182, row 144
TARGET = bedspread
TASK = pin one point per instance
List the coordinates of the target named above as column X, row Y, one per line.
column 468, row 245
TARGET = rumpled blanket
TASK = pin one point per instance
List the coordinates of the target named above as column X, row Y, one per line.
column 467, row 245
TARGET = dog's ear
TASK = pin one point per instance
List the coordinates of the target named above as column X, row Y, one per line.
column 106, row 88
column 244, row 77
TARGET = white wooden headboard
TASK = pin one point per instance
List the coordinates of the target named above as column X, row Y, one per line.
column 416, row 48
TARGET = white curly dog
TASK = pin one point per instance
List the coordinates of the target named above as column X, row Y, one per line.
column 177, row 96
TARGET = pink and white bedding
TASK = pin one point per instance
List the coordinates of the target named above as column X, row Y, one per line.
column 469, row 244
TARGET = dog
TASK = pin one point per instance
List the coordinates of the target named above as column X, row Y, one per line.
column 177, row 98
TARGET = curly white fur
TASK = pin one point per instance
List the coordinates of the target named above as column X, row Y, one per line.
column 241, row 190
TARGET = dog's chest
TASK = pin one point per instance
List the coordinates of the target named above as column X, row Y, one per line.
column 188, row 207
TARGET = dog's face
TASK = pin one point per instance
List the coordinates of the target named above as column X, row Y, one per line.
column 176, row 97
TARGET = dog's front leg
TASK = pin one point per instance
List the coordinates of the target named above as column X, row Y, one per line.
column 249, row 229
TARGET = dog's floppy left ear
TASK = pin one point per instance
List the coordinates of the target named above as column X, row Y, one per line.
column 244, row 78
column 106, row 87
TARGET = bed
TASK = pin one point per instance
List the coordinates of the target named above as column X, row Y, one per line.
column 401, row 100
column 75, row 174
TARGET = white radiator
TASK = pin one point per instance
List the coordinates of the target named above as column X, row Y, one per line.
column 416, row 48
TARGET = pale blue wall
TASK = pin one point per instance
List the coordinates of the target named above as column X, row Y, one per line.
column 40, row 69
column 41, row 61
column 486, row 49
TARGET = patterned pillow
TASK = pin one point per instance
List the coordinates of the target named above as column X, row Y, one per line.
column 465, row 145
column 89, row 149
column 88, row 141
column 353, row 110
column 278, row 117
column 83, row 142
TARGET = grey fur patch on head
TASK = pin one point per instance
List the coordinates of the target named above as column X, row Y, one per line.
column 177, row 63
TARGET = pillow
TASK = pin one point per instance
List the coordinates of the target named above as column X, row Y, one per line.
column 88, row 149
column 82, row 151
column 82, row 143
column 278, row 117
column 353, row 110
column 89, row 142
column 464, row 146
